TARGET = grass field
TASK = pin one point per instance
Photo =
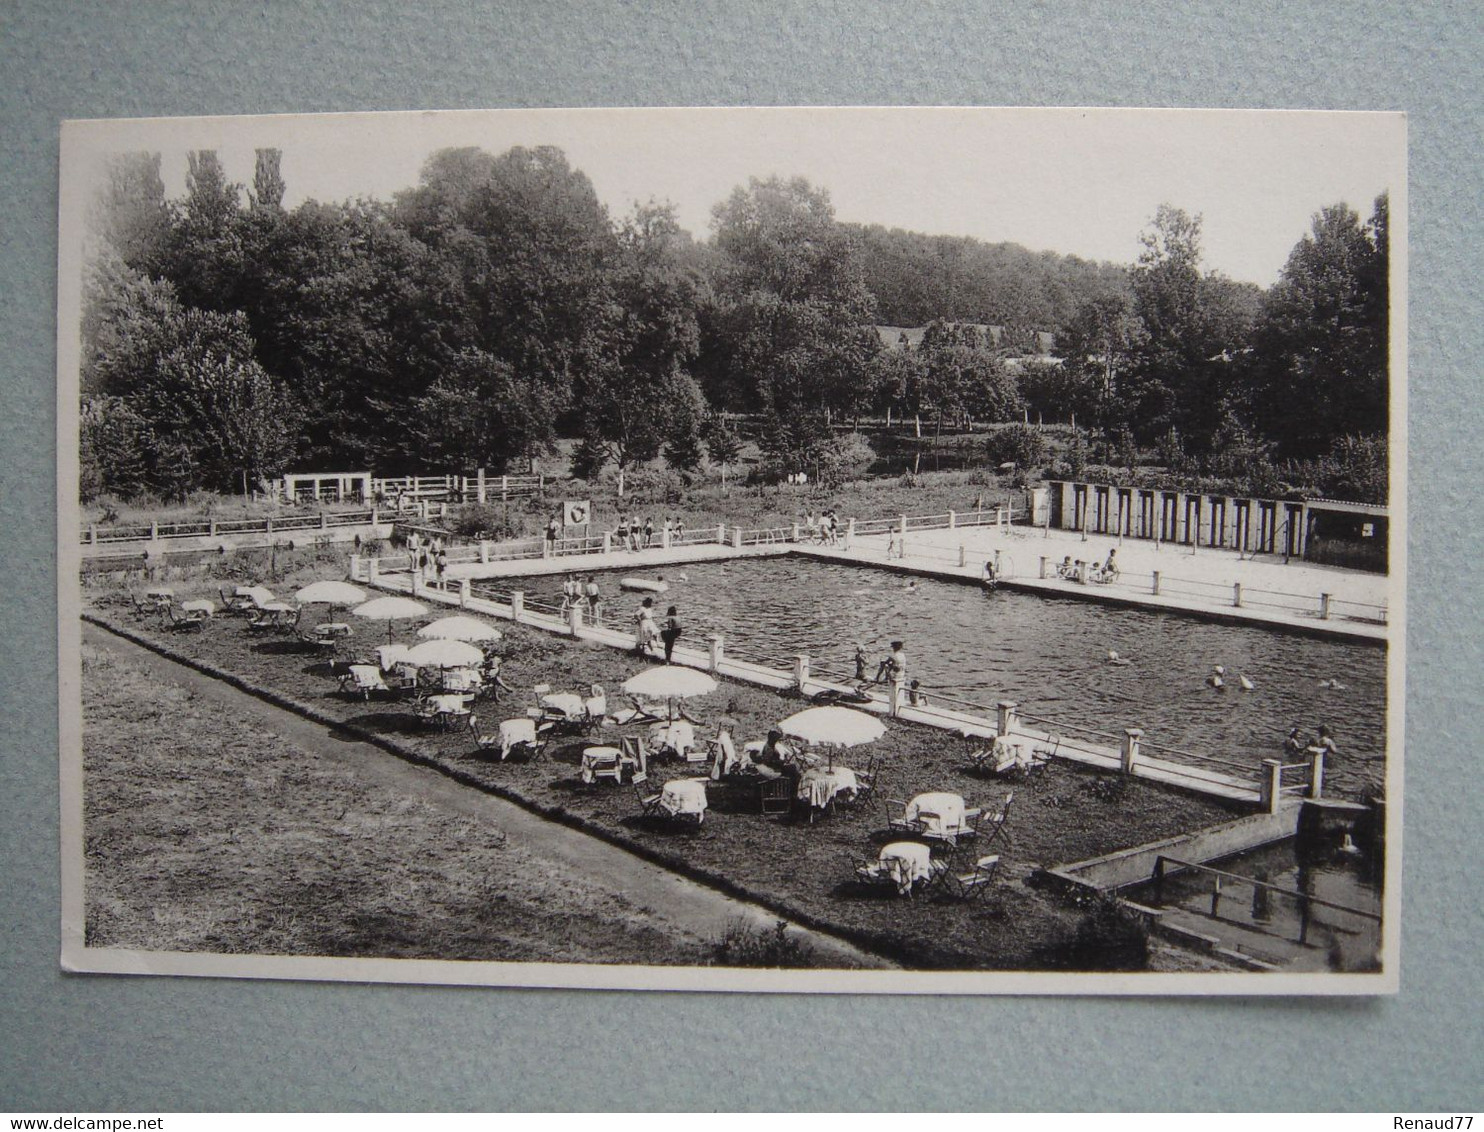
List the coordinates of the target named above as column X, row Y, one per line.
column 212, row 834
column 800, row 869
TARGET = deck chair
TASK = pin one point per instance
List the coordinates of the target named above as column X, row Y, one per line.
column 426, row 711
column 970, row 885
column 142, row 608
column 596, row 705
column 640, row 712
column 648, row 798
column 185, row 622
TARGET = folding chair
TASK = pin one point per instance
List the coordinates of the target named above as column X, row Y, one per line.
column 970, row 885
column 649, row 800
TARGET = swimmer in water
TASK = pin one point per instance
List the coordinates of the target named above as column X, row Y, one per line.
column 1217, row 679
column 912, row 585
column 1245, row 684
column 1114, row 658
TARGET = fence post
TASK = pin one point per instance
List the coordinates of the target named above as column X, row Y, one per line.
column 574, row 617
column 211, row 530
column 1005, row 718
column 721, row 534
column 484, row 551
column 1043, row 566
column 1131, row 737
column 479, row 484
column 1316, row 774
column 963, row 555
column 736, row 538
column 1270, row 786
column 517, row 605
column 796, row 532
column 718, row 647
column 849, row 532
column 902, row 524
column 1324, row 607
column 801, row 672
column 607, row 542
column 1237, row 594
column 895, row 705
column 953, row 521
column 324, row 519
column 665, row 538
column 416, row 578
column 355, row 567
column 93, row 533
column 1155, row 591
column 464, row 592
column 373, row 568
column 504, row 487
column 999, row 570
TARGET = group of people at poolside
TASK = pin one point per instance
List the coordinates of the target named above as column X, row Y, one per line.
column 650, row 635
column 429, row 558
column 824, row 529
column 1079, row 571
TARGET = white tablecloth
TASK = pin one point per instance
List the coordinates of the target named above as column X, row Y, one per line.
column 568, row 704
column 514, row 732
column 684, row 796
column 819, row 785
column 907, row 862
column 678, row 736
column 600, row 758
column 948, row 807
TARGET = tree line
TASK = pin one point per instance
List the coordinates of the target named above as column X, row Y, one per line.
column 495, row 306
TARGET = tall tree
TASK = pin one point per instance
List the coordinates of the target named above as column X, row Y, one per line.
column 793, row 302
column 131, row 215
column 267, row 184
column 639, row 397
column 1322, row 364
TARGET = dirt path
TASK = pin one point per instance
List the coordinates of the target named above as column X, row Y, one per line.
column 688, row 905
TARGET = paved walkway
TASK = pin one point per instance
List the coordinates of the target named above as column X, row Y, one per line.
column 683, row 902
column 1274, row 593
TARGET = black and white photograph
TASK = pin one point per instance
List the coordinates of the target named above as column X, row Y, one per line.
column 885, row 550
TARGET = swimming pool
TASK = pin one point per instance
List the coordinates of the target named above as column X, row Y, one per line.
column 1048, row 655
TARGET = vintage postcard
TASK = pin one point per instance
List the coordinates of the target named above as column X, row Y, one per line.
column 887, row 550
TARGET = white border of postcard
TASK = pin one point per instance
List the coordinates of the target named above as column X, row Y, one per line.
column 84, row 142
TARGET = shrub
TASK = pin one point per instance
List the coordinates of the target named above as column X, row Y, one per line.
column 1110, row 936
column 1019, row 444
column 743, row 945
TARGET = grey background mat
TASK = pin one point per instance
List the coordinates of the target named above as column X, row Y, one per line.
column 84, row 1043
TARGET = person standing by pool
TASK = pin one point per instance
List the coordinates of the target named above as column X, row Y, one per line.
column 670, row 633
column 679, row 528
column 551, row 536
column 893, row 669
column 648, row 532
column 441, row 565
column 594, row 598
column 915, row 695
column 1325, row 743
column 646, row 632
column 860, row 663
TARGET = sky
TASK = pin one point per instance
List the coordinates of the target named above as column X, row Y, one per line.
column 1078, row 182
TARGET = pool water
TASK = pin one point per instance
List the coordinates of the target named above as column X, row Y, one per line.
column 1049, row 655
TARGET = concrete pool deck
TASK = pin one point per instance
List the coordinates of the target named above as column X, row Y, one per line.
column 1201, row 582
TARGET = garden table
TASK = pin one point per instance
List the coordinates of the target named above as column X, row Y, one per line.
column 684, row 797
column 819, row 786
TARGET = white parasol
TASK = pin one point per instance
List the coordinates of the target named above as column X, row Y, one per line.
column 443, row 653
column 833, row 727
column 670, row 681
column 329, row 593
column 388, row 609
column 459, row 628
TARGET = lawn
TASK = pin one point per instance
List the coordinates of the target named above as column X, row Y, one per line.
column 1063, row 814
column 213, row 834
